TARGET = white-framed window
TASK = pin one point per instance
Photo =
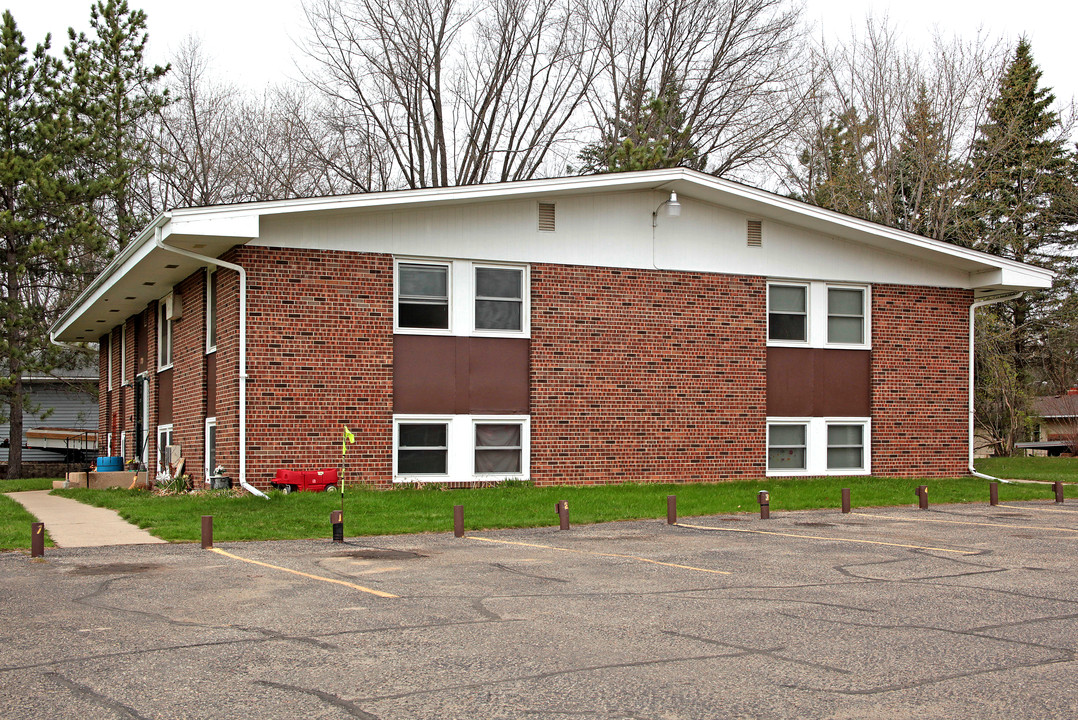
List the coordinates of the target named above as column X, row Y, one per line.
column 499, row 299
column 787, row 313
column 422, row 447
column 122, row 450
column 423, row 291
column 461, row 297
column 819, row 314
column 123, row 354
column 787, row 446
column 164, row 440
column 211, row 312
column 211, row 446
column 498, row 448
column 164, row 333
column 108, row 339
column 460, row 448
column 819, row 446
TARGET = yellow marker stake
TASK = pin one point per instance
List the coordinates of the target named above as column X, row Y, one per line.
column 832, row 539
column 379, row 593
column 589, row 552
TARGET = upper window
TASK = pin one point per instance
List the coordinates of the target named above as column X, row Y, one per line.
column 461, row 297
column 499, row 298
column 123, row 354
column 108, row 339
column 164, row 335
column 818, row 314
column 787, row 313
column 845, row 316
column 211, row 312
column 423, row 296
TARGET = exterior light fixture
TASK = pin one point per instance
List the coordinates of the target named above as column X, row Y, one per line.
column 673, row 208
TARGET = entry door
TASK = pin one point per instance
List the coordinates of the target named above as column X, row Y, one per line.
column 142, row 419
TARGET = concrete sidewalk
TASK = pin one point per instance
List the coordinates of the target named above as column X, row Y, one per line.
column 74, row 524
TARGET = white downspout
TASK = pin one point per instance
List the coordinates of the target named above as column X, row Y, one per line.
column 159, row 242
column 972, row 322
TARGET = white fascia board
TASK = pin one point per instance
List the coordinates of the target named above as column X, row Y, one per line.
column 239, row 226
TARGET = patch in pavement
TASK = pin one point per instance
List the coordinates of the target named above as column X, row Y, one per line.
column 378, row 554
column 113, row 569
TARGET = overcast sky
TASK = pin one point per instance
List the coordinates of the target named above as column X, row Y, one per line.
column 252, row 42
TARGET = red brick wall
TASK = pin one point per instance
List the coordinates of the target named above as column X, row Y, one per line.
column 189, row 375
column 320, row 353
column 920, row 374
column 642, row 375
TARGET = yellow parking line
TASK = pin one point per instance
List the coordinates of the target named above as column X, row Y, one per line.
column 379, row 593
column 590, row 552
column 1038, row 508
column 823, row 537
column 967, row 522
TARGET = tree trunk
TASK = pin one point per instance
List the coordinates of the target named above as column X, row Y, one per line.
column 14, row 453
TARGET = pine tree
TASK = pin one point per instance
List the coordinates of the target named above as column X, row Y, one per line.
column 1023, row 205
column 921, row 173
column 46, row 235
column 650, row 134
column 114, row 91
column 833, row 172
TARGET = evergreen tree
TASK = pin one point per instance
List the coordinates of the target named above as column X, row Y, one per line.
column 921, row 173
column 1023, row 205
column 650, row 133
column 114, row 91
column 47, row 237
column 833, row 167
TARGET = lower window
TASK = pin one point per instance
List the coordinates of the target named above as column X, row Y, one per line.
column 460, row 448
column 818, row 446
column 211, row 447
column 422, row 449
column 164, row 442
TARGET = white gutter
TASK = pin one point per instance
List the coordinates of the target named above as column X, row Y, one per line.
column 159, row 242
column 972, row 329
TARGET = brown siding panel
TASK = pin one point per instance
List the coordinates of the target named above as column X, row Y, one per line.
column 818, row 382
column 211, row 385
column 460, row 375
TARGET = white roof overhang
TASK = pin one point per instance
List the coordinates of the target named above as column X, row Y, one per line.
column 144, row 271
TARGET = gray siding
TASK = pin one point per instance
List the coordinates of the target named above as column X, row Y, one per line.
column 69, row 408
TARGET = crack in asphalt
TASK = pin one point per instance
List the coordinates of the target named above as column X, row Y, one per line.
column 517, row 571
column 93, row 696
column 773, row 654
column 553, row 673
column 331, row 699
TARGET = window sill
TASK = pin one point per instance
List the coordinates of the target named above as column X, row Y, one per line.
column 165, row 367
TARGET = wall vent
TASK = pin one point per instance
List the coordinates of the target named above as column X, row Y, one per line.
column 755, row 234
column 546, row 217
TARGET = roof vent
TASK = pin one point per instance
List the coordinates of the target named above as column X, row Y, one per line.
column 755, row 234
column 546, row 217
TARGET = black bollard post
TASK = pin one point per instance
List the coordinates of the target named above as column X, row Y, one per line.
column 37, row 539
column 563, row 515
column 458, row 521
column 993, row 493
column 845, row 500
column 336, row 519
column 671, row 509
column 207, row 532
column 1058, row 486
column 922, row 497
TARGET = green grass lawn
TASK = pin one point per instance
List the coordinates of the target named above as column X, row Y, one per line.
column 14, row 520
column 407, row 510
column 1048, row 469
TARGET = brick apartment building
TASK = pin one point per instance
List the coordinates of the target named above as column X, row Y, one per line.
column 662, row 325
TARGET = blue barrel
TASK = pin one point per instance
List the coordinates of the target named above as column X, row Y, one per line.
column 110, row 464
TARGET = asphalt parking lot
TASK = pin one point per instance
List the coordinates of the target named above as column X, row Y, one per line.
column 955, row 612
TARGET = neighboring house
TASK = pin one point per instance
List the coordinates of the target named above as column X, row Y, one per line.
column 64, row 399
column 569, row 330
column 1059, row 417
